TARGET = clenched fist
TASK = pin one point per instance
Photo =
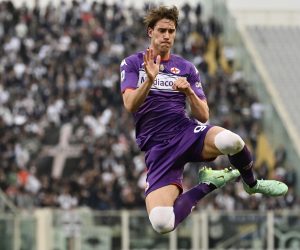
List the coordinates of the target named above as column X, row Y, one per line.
column 182, row 85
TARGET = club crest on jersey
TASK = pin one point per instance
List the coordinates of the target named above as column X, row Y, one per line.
column 175, row 70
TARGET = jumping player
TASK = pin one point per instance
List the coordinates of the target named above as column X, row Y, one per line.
column 156, row 85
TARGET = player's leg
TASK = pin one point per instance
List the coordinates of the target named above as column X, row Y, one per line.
column 159, row 205
column 164, row 197
column 167, row 208
column 220, row 141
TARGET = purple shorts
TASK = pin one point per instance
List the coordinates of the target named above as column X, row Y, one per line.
column 165, row 161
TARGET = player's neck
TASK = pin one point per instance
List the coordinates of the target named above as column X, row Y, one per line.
column 164, row 56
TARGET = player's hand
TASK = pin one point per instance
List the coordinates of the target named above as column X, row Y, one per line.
column 151, row 67
column 182, row 85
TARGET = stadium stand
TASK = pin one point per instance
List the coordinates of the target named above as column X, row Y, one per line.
column 277, row 47
column 66, row 141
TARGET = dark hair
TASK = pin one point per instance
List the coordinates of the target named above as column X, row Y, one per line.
column 156, row 14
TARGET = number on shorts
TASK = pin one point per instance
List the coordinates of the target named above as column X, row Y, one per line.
column 199, row 128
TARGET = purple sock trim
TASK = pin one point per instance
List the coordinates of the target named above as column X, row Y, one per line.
column 185, row 203
column 243, row 162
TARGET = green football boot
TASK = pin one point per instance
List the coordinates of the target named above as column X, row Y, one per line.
column 218, row 177
column 267, row 187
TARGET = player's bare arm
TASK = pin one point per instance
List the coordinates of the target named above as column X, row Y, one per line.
column 134, row 98
column 199, row 108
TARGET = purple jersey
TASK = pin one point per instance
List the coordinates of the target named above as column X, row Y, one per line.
column 163, row 113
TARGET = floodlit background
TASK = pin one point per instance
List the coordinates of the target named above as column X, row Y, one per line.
column 71, row 175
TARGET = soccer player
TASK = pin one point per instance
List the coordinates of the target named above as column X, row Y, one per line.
column 156, row 85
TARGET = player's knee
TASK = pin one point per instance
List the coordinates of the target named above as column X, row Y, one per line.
column 162, row 219
column 228, row 142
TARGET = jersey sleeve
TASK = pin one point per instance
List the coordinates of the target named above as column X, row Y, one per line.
column 129, row 74
column 195, row 82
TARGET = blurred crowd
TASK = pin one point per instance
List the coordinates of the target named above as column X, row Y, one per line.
column 60, row 65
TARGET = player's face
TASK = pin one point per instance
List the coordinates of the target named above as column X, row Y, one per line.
column 162, row 36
